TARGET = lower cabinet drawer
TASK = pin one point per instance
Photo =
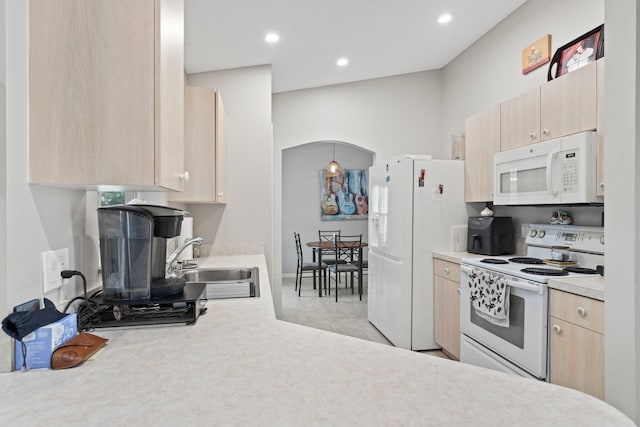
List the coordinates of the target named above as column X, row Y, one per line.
column 446, row 269
column 579, row 310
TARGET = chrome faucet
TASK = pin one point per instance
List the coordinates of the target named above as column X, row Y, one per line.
column 196, row 241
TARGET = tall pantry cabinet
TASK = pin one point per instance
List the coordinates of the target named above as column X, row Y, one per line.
column 106, row 93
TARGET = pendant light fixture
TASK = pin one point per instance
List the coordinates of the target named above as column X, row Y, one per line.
column 334, row 170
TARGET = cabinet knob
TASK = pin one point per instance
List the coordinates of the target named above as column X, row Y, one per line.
column 556, row 329
column 458, row 291
column 220, row 194
column 545, row 132
column 184, row 176
column 602, row 185
column 581, row 311
column 532, row 135
column 446, row 270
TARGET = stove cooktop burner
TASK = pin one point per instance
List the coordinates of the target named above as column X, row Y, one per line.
column 494, row 261
column 581, row 270
column 545, row 271
column 526, row 260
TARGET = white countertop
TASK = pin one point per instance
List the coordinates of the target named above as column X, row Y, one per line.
column 455, row 256
column 240, row 366
column 590, row 286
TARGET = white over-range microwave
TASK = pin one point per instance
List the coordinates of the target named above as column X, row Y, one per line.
column 558, row 171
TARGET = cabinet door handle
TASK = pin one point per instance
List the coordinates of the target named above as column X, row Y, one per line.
column 545, row 132
column 556, row 329
column 581, row 311
column 532, row 135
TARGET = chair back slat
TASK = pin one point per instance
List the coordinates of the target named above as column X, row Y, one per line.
column 346, row 248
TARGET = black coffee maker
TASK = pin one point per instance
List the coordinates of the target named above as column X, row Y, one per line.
column 133, row 250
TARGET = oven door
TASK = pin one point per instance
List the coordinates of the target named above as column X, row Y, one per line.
column 524, row 342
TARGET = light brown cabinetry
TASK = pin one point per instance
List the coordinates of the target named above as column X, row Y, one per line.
column 106, row 93
column 568, row 103
column 482, row 140
column 561, row 107
column 204, row 144
column 576, row 342
column 520, row 120
column 447, row 306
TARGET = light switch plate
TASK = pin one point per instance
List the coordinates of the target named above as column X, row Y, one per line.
column 53, row 262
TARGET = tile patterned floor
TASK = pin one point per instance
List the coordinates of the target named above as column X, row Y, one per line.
column 347, row 317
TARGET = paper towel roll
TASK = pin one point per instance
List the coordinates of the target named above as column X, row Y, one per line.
column 186, row 233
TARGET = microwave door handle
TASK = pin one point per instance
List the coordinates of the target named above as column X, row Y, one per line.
column 550, row 188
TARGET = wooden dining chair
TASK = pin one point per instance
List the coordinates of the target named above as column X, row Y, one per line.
column 305, row 266
column 347, row 260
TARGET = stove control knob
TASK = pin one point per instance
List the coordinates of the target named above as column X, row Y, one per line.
column 533, row 233
column 602, row 240
column 541, row 234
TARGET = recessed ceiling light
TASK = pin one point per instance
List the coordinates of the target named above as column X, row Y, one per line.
column 343, row 62
column 444, row 18
column 272, row 38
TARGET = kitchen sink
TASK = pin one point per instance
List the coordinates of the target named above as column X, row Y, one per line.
column 237, row 282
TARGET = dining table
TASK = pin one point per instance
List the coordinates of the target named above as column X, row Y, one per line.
column 320, row 247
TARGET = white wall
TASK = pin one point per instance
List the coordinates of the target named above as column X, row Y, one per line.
column 490, row 71
column 245, row 221
column 5, row 353
column 622, row 313
column 301, row 195
column 37, row 218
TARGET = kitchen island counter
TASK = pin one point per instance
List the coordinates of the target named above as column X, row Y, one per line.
column 238, row 365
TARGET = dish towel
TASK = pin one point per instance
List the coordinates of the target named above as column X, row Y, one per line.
column 490, row 296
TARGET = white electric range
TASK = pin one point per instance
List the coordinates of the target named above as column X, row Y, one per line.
column 520, row 347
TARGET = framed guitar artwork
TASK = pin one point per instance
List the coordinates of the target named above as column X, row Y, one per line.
column 347, row 198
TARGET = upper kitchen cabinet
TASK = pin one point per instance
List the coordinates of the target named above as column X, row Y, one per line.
column 482, row 140
column 568, row 103
column 204, row 144
column 106, row 93
column 520, row 120
column 561, row 107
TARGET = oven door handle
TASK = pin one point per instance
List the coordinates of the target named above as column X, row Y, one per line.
column 525, row 286
column 512, row 283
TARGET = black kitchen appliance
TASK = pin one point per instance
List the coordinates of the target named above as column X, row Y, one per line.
column 133, row 251
column 490, row 235
column 184, row 308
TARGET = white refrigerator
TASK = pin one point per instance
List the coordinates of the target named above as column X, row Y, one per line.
column 413, row 203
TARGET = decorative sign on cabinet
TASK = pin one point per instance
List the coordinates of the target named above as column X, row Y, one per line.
column 204, row 141
column 106, row 93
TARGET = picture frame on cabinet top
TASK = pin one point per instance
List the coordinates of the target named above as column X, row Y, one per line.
column 577, row 53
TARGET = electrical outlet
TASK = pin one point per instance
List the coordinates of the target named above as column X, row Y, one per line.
column 53, row 262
